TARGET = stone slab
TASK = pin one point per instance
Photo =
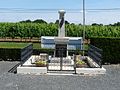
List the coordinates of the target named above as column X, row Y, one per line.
column 90, row 70
column 31, row 70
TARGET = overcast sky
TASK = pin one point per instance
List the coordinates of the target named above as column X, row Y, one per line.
column 16, row 10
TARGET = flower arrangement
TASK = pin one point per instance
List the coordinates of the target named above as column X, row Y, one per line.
column 40, row 63
column 80, row 63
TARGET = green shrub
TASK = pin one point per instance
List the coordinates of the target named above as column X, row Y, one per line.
column 30, row 30
column 79, row 62
column 40, row 63
column 14, row 51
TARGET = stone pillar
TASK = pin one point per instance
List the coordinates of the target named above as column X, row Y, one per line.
column 61, row 32
column 67, row 50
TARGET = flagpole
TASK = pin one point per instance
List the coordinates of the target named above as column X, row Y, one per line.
column 83, row 27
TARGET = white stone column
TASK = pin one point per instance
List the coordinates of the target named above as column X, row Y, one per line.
column 67, row 50
column 61, row 32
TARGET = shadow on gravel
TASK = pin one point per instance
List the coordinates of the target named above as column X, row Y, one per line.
column 8, row 66
column 14, row 69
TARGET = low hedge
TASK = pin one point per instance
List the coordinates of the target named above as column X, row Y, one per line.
column 51, row 51
column 10, row 54
column 42, row 50
column 15, row 51
column 110, row 47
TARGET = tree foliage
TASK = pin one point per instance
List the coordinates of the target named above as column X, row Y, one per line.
column 30, row 30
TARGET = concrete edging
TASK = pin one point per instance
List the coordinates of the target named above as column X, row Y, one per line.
column 90, row 70
column 31, row 70
column 91, row 62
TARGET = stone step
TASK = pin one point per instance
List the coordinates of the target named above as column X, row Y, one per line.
column 69, row 68
column 58, row 64
column 61, row 72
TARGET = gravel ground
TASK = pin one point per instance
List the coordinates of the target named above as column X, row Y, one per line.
column 10, row 81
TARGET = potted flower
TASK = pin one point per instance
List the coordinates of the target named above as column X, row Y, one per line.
column 80, row 63
column 40, row 63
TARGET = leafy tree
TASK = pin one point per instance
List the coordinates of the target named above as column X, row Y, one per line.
column 57, row 22
column 25, row 30
column 39, row 21
column 26, row 21
column 116, row 24
column 66, row 22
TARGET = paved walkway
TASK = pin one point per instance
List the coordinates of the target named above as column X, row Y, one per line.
column 9, row 81
column 63, row 67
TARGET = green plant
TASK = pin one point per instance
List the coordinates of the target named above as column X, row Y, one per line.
column 14, row 51
column 30, row 30
column 40, row 63
column 80, row 62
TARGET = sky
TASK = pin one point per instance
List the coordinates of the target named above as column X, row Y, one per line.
column 18, row 10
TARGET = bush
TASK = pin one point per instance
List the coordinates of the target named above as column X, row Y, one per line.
column 30, row 30
column 110, row 47
column 80, row 62
column 42, row 50
column 40, row 63
column 15, row 51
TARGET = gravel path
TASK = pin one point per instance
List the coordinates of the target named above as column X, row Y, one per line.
column 10, row 81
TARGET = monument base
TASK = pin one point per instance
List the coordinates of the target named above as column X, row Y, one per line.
column 61, row 50
column 61, row 44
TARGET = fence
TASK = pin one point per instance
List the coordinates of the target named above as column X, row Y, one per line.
column 26, row 52
column 96, row 54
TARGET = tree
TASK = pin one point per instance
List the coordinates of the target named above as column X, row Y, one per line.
column 39, row 21
column 57, row 22
column 26, row 21
column 66, row 22
column 116, row 24
column 95, row 24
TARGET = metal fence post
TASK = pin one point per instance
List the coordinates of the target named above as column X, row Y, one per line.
column 74, row 57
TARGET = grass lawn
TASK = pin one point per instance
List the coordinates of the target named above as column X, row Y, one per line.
column 22, row 45
column 18, row 45
column 36, row 45
column 12, row 45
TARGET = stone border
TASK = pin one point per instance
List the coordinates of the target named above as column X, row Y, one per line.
column 27, row 67
column 94, row 70
column 43, row 70
column 31, row 70
column 90, row 71
column 92, row 63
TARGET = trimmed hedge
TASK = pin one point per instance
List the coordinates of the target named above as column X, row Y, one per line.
column 110, row 47
column 51, row 51
column 42, row 50
column 10, row 54
column 16, row 54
